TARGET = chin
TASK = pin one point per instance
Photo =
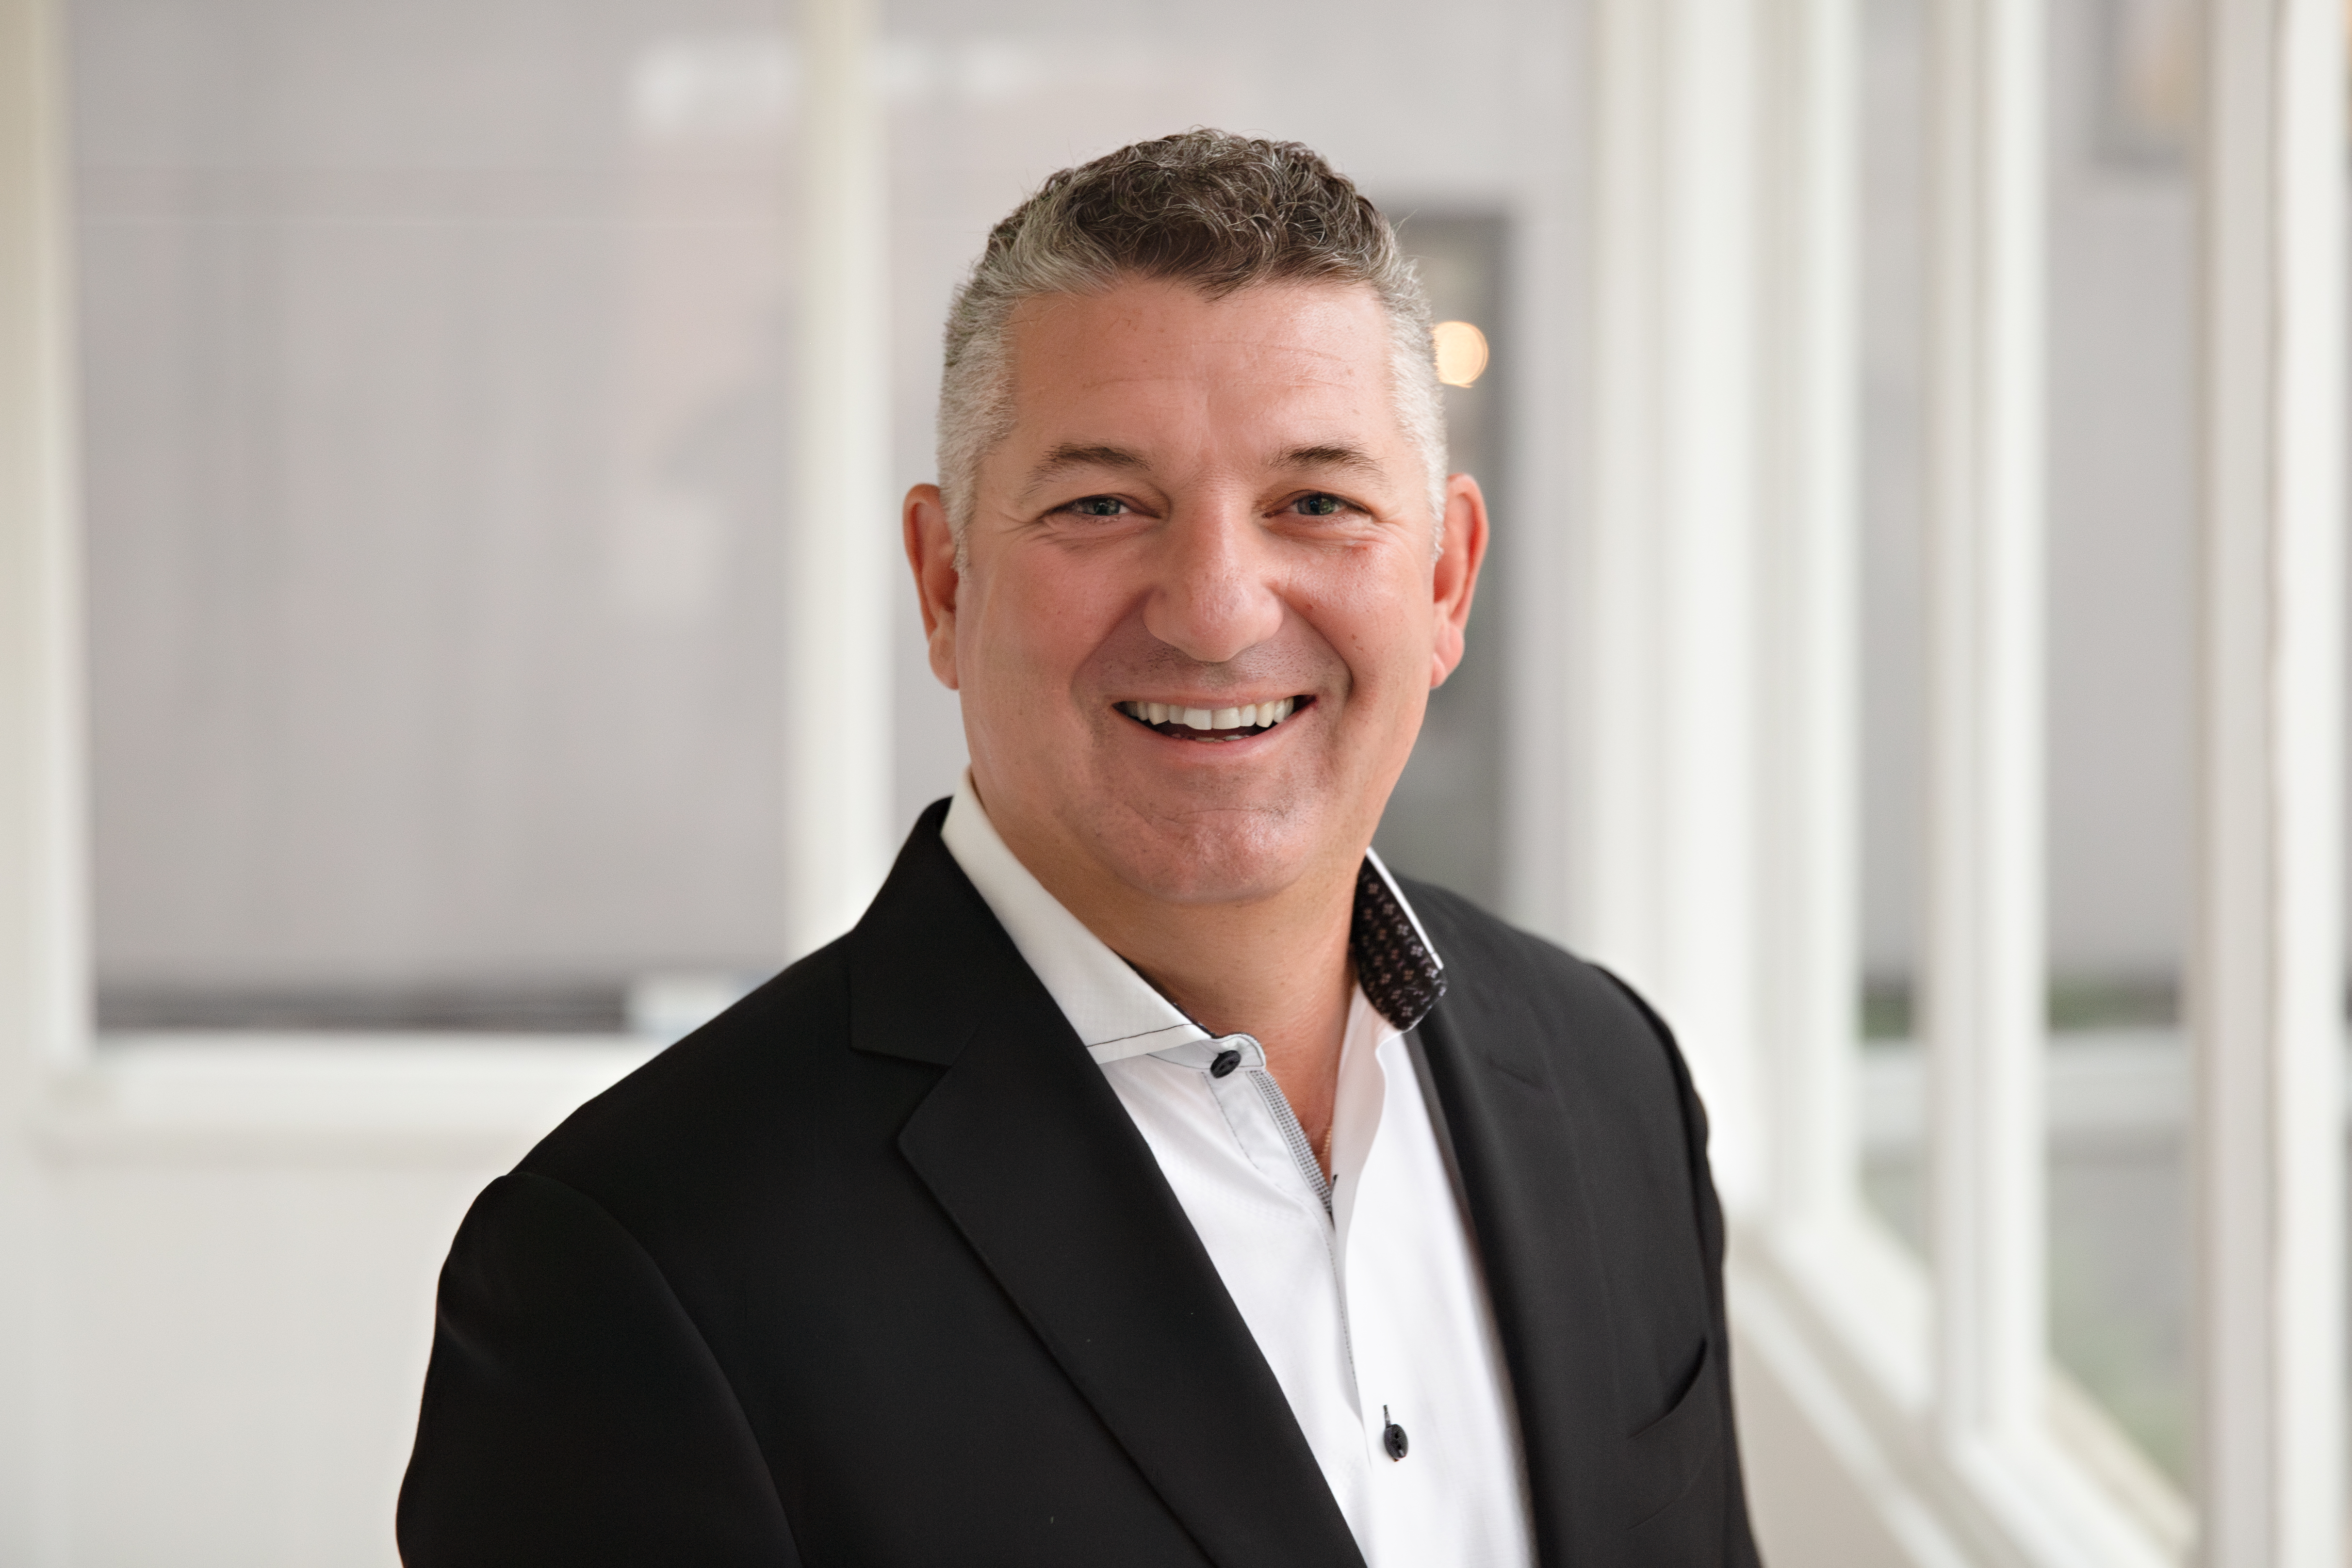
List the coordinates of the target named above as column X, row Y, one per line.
column 1232, row 858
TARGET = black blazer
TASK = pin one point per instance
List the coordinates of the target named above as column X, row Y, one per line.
column 875, row 1270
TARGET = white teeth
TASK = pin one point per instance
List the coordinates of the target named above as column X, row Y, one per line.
column 1256, row 716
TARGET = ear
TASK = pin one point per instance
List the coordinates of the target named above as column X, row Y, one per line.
column 930, row 552
column 1456, row 579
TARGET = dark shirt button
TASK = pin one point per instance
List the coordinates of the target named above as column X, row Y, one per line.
column 1393, row 1436
column 1228, row 1059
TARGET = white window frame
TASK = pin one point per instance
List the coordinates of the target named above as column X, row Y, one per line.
column 2267, row 990
column 301, row 1102
column 1735, row 122
column 834, row 598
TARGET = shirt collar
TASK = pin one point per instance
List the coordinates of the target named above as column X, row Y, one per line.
column 1114, row 1010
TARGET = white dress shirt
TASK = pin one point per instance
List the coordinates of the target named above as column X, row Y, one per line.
column 1364, row 1296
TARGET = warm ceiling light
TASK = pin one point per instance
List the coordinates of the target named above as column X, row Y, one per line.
column 1461, row 352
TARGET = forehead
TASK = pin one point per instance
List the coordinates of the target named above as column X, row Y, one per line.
column 1150, row 352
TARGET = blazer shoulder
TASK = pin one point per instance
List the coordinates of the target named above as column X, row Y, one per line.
column 807, row 1081
column 776, row 1065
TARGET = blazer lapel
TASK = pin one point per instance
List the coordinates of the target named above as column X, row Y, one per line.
column 1517, row 1156
column 1032, row 1156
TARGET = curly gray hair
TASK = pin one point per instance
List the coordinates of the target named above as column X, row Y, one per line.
column 1218, row 211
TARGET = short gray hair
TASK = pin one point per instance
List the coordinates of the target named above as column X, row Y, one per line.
column 1217, row 210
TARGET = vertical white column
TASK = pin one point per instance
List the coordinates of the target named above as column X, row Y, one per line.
column 44, row 958
column 1808, row 705
column 1667, row 826
column 44, row 965
column 843, row 531
column 1615, row 907
column 2266, row 992
column 1982, row 990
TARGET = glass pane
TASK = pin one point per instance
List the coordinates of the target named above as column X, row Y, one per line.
column 1894, row 679
column 2122, row 646
column 432, row 435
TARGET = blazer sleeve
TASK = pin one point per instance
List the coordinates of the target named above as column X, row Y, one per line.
column 572, row 1413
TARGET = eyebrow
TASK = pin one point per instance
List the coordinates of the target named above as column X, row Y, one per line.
column 1084, row 454
column 1077, row 455
column 1353, row 459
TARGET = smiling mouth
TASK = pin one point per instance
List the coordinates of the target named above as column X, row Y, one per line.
column 1213, row 724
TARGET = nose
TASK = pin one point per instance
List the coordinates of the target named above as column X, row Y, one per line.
column 1214, row 595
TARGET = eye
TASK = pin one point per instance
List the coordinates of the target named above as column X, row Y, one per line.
column 1319, row 506
column 1098, row 506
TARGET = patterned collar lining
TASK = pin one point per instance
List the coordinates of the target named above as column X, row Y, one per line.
column 1400, row 977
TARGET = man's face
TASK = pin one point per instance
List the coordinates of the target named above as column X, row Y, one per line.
column 1203, row 508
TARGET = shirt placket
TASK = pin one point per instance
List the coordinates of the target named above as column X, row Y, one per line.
column 1259, row 1115
column 1256, row 1109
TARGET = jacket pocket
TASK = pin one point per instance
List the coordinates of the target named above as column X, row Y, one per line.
column 1666, row 1459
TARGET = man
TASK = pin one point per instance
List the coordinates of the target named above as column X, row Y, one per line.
column 1150, row 1179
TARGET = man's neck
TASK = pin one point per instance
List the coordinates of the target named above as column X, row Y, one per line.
column 1276, row 968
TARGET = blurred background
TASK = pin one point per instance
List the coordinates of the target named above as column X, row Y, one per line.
column 436, row 369
column 439, row 387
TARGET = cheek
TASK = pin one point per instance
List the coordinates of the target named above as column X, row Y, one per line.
column 1377, row 615
column 1035, row 627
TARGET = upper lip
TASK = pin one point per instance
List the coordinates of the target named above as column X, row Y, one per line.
column 1213, row 703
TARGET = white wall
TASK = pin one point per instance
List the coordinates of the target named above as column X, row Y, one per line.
column 235, row 1250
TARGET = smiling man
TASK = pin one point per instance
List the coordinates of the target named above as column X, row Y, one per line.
column 1150, row 1177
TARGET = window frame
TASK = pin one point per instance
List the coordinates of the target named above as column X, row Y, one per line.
column 836, row 596
column 307, row 1103
column 1932, row 1382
